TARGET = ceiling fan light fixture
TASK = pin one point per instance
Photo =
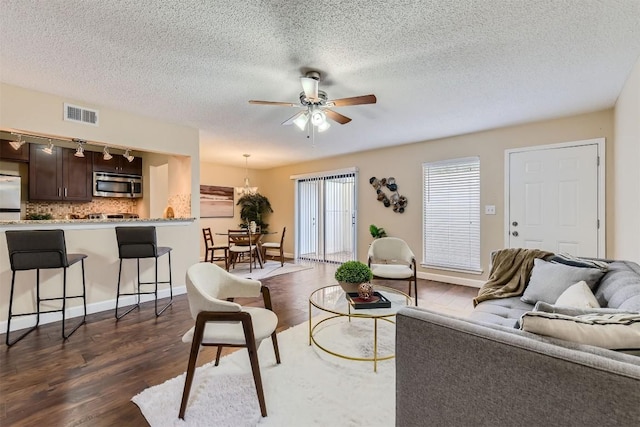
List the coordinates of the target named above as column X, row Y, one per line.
column 318, row 117
column 324, row 126
column 301, row 120
column 49, row 148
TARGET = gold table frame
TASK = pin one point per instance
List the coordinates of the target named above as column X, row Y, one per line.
column 345, row 310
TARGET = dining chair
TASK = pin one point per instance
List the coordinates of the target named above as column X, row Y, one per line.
column 275, row 246
column 211, row 248
column 242, row 248
column 220, row 322
column 391, row 258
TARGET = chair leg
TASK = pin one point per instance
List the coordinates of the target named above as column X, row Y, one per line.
column 255, row 366
column 191, row 367
column 274, row 340
column 24, row 334
column 218, row 353
column 170, row 288
column 281, row 257
column 118, row 317
column 64, row 300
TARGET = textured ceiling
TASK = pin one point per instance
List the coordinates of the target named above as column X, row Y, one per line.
column 438, row 68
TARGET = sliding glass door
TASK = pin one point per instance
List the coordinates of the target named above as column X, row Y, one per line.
column 326, row 217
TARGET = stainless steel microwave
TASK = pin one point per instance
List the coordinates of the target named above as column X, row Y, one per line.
column 116, row 185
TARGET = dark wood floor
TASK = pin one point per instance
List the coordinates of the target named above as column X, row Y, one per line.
column 89, row 379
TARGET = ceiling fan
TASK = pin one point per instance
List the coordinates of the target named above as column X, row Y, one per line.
column 316, row 105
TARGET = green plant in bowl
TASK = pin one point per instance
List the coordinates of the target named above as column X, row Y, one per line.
column 351, row 274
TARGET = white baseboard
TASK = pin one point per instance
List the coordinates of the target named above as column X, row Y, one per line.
column 473, row 283
column 18, row 323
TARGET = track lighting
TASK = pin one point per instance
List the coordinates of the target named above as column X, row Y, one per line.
column 105, row 154
column 17, row 144
column 49, row 148
column 79, row 148
column 128, row 156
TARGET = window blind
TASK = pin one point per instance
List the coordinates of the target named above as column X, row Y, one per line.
column 451, row 214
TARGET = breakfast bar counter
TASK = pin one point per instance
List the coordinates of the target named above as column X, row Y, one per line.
column 97, row 239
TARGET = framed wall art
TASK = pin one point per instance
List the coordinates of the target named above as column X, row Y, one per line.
column 216, row 202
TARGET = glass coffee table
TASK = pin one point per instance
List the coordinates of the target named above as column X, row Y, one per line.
column 333, row 300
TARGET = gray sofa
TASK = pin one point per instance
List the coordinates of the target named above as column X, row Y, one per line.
column 483, row 371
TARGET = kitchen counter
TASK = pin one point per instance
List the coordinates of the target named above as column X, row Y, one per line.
column 97, row 239
column 89, row 223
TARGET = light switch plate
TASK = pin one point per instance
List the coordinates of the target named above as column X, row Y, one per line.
column 490, row 210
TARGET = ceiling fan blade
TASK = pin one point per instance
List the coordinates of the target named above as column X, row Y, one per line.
column 291, row 119
column 337, row 117
column 286, row 104
column 355, row 100
column 310, row 88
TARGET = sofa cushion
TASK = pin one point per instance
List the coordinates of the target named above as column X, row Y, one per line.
column 573, row 311
column 549, row 280
column 619, row 331
column 502, row 311
column 578, row 295
column 612, row 290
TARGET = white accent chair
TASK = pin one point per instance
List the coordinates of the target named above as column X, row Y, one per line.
column 391, row 258
column 223, row 323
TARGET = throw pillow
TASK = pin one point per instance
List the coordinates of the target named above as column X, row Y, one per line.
column 613, row 331
column 567, row 259
column 578, row 296
column 549, row 280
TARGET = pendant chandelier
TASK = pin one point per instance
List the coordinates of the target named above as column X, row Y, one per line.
column 247, row 189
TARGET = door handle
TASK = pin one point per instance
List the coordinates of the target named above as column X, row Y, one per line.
column 514, row 234
column 65, row 191
column 514, row 223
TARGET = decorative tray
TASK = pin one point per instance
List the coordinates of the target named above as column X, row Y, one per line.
column 376, row 301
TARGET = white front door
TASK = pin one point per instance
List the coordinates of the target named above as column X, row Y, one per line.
column 553, row 199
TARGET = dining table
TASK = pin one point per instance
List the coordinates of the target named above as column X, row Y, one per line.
column 246, row 239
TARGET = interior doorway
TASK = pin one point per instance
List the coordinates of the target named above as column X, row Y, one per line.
column 555, row 198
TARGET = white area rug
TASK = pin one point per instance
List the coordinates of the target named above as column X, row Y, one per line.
column 309, row 387
column 271, row 268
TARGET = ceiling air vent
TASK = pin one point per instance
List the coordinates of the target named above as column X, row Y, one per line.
column 74, row 113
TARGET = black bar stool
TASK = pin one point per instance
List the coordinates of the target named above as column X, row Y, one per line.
column 136, row 243
column 39, row 250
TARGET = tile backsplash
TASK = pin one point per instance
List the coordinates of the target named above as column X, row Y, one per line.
column 59, row 210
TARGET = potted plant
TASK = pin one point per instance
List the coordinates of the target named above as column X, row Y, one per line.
column 351, row 274
column 377, row 232
column 252, row 208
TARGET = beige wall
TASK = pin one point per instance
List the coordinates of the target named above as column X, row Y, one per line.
column 625, row 203
column 405, row 164
column 227, row 176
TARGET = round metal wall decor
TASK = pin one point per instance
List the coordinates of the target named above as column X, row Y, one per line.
column 398, row 202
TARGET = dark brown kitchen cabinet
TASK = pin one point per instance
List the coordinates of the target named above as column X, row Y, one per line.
column 7, row 152
column 59, row 176
column 117, row 164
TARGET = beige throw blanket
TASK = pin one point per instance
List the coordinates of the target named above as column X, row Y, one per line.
column 509, row 274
